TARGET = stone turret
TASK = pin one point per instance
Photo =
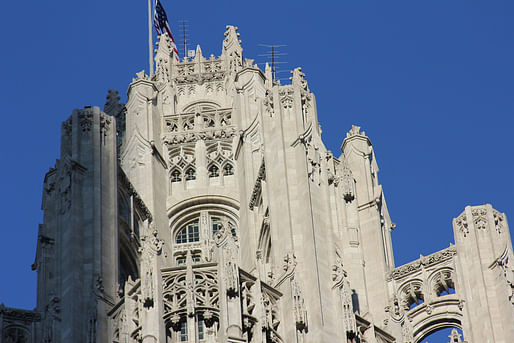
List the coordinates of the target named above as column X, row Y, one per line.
column 485, row 273
column 77, row 258
column 368, row 221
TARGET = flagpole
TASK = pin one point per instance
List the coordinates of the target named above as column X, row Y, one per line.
column 150, row 40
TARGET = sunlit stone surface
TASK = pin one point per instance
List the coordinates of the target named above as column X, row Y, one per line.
column 207, row 209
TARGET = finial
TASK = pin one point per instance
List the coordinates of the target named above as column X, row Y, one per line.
column 112, row 105
column 231, row 42
column 198, row 53
column 355, row 131
column 298, row 78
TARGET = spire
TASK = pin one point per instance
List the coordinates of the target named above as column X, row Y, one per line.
column 269, row 76
column 112, row 105
column 267, row 71
column 164, row 47
column 231, row 43
column 162, row 58
column 198, row 53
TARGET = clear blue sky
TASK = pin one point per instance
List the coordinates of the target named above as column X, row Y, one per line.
column 431, row 83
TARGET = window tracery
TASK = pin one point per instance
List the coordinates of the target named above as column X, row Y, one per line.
column 196, row 235
column 219, row 159
column 182, row 164
column 194, row 295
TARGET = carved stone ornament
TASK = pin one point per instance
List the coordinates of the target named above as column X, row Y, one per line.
column 508, row 274
column 479, row 218
column 268, row 103
column 462, row 224
column 171, row 139
column 425, row 261
column 300, row 312
column 112, row 105
column 151, row 246
column 105, row 123
column 355, row 131
column 314, row 163
column 257, row 188
column 15, row 314
column 338, row 273
column 99, row 287
column 64, row 184
column 347, row 183
column 67, row 127
column 298, row 78
column 499, row 220
column 85, row 120
column 286, row 97
column 408, row 336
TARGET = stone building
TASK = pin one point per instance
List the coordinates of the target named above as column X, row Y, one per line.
column 207, row 209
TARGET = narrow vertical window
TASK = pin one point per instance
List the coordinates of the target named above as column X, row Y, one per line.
column 183, row 332
column 201, row 334
column 190, row 174
column 214, row 171
column 175, row 176
column 228, row 170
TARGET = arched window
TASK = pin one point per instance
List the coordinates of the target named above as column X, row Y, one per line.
column 214, row 171
column 16, row 334
column 228, row 170
column 188, row 233
column 190, row 174
column 175, row 176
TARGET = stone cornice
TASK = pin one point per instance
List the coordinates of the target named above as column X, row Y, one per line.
column 18, row 314
column 426, row 261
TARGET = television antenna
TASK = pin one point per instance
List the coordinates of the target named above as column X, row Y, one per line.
column 274, row 54
column 184, row 26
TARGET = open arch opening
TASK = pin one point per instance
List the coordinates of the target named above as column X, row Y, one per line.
column 430, row 325
column 445, row 334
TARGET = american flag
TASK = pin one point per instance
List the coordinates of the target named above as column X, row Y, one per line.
column 160, row 21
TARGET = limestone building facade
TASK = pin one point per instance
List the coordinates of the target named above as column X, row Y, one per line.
column 207, row 209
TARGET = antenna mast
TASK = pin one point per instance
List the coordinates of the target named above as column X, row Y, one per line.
column 183, row 24
column 274, row 56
